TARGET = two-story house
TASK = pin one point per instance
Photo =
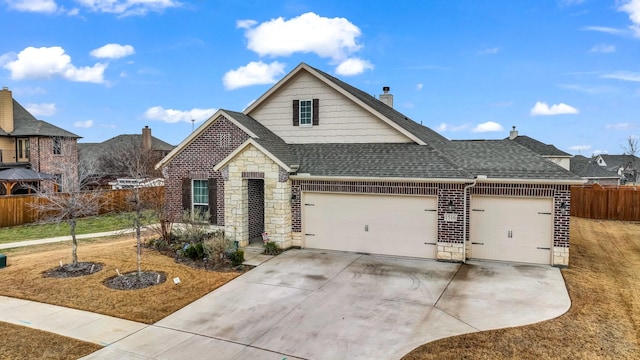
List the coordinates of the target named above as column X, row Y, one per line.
column 26, row 142
column 317, row 163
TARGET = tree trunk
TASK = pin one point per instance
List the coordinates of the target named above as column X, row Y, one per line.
column 74, row 251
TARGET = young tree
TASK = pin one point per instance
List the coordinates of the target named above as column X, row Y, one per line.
column 630, row 150
column 64, row 200
column 131, row 161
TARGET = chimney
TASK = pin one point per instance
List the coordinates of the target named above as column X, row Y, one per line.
column 386, row 97
column 146, row 138
column 513, row 133
column 6, row 110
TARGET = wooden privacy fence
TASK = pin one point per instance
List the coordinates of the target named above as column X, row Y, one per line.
column 608, row 202
column 21, row 209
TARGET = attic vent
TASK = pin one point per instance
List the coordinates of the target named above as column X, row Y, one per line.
column 224, row 140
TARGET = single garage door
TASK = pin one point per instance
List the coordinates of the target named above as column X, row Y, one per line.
column 511, row 229
column 376, row 224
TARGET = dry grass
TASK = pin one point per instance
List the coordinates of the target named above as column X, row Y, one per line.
column 22, row 278
column 604, row 320
column 17, row 342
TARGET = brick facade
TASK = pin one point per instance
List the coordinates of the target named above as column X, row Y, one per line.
column 197, row 160
column 65, row 164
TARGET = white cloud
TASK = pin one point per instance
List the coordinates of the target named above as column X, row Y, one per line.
column 254, row 73
column 604, row 29
column 37, row 110
column 419, row 86
column 113, row 51
column 129, row 7
column 333, row 38
column 579, row 148
column 46, row 63
column 598, row 152
column 587, row 89
column 623, row 75
column 489, row 126
column 570, row 2
column 542, row 109
column 444, row 127
column 174, row 116
column 353, row 66
column 618, row 126
column 83, row 124
column 39, row 6
column 245, row 24
column 603, row 48
column 632, row 7
column 489, row 51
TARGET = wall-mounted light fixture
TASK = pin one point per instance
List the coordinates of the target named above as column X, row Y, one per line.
column 563, row 205
column 450, row 206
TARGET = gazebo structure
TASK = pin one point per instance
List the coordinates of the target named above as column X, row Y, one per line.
column 9, row 178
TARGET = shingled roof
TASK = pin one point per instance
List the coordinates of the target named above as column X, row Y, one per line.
column 589, row 169
column 25, row 124
column 539, row 147
column 406, row 160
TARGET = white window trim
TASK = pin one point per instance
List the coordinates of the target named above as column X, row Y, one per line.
column 310, row 124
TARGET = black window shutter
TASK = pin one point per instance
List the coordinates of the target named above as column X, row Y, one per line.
column 186, row 194
column 213, row 201
column 296, row 112
column 316, row 112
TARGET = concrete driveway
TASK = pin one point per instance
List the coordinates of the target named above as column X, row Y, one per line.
column 308, row 304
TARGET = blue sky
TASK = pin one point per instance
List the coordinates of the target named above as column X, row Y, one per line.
column 565, row 72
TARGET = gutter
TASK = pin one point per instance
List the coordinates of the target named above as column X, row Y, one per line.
column 303, row 176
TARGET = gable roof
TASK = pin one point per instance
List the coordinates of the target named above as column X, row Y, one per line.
column 613, row 162
column 25, row 124
column 414, row 131
column 431, row 156
column 589, row 169
column 539, row 147
column 91, row 151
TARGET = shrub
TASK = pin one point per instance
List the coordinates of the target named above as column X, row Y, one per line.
column 194, row 252
column 237, row 257
column 272, row 248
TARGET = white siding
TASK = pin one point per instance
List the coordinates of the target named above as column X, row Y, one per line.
column 341, row 121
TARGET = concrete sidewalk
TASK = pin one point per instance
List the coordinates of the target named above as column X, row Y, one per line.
column 82, row 325
column 63, row 238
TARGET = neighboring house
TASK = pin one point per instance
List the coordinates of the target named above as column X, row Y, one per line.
column 99, row 153
column 588, row 169
column 547, row 151
column 317, row 163
column 26, row 142
column 625, row 166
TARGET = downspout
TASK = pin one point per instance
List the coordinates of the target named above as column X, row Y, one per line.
column 464, row 216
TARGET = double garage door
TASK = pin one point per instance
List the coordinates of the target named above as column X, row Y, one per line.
column 375, row 224
column 511, row 229
column 500, row 228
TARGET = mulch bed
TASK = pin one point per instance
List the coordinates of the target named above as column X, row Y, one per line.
column 73, row 270
column 133, row 281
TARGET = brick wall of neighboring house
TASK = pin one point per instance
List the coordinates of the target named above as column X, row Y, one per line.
column 197, row 160
column 64, row 164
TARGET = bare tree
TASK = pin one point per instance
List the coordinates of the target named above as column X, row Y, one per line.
column 129, row 160
column 630, row 150
column 63, row 198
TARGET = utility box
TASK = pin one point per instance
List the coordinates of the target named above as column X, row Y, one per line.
column 3, row 260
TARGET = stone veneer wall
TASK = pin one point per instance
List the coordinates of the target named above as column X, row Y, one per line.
column 196, row 161
column 251, row 162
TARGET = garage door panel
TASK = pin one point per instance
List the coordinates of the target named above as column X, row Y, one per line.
column 511, row 229
column 380, row 224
